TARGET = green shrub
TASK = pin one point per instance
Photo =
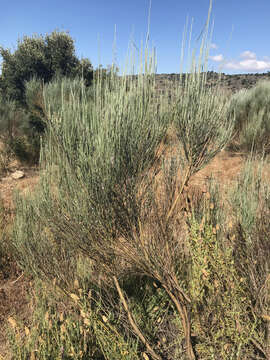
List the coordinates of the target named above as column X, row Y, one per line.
column 251, row 206
column 20, row 130
column 201, row 122
column 252, row 118
column 6, row 258
column 52, row 332
column 221, row 319
column 100, row 199
column 26, row 148
column 43, row 57
column 35, row 106
column 7, row 118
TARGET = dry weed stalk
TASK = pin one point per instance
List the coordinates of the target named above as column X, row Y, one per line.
column 132, row 322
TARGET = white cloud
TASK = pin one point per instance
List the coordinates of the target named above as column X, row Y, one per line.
column 217, row 57
column 248, row 55
column 213, row 46
column 249, row 63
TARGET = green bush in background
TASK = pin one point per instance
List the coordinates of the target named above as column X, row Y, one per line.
column 42, row 57
column 252, row 118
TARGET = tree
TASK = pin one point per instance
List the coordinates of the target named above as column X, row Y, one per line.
column 43, row 58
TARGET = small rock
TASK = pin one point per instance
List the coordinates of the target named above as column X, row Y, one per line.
column 17, row 175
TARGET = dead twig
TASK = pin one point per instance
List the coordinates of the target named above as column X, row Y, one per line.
column 132, row 322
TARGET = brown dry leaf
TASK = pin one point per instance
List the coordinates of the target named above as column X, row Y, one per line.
column 266, row 317
column 207, row 195
column 205, row 273
column 83, row 314
column 12, row 322
column 74, row 297
column 27, row 331
column 86, row 321
column 202, row 224
column 104, row 318
column 145, row 356
column 63, row 329
column 46, row 317
column 76, row 284
column 61, row 317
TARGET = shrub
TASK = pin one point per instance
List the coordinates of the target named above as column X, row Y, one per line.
column 252, row 120
column 201, row 123
column 6, row 258
column 21, row 128
column 103, row 197
column 121, row 135
column 251, row 204
column 43, row 58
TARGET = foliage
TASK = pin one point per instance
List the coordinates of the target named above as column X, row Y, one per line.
column 252, row 125
column 220, row 307
column 106, row 162
column 111, row 212
column 35, row 106
column 43, row 58
column 52, row 332
column 13, row 126
column 250, row 200
column 107, row 174
column 6, row 258
column 18, row 136
column 7, row 118
column 201, row 123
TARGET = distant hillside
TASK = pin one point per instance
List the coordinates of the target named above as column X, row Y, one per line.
column 231, row 82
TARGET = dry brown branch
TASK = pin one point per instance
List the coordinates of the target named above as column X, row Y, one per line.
column 132, row 322
column 180, row 304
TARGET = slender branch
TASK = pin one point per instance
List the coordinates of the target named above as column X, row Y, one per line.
column 132, row 322
column 182, row 310
column 186, row 178
column 258, row 346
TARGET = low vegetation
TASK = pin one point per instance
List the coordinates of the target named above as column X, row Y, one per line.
column 251, row 108
column 125, row 261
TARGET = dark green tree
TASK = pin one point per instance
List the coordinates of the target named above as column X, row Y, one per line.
column 43, row 58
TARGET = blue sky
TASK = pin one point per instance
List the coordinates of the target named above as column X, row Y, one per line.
column 240, row 41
